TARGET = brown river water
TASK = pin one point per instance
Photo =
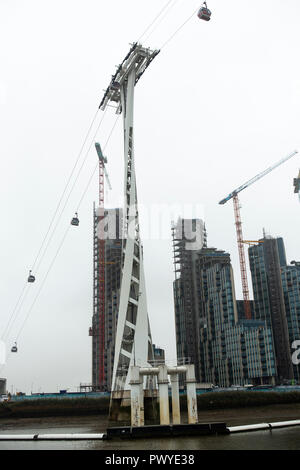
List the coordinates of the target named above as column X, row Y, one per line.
column 279, row 439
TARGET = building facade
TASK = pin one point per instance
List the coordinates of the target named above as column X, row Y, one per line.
column 267, row 260
column 290, row 276
column 225, row 348
column 238, row 354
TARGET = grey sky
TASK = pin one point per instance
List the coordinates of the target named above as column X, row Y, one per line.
column 219, row 104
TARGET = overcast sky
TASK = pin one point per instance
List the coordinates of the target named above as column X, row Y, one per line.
column 219, row 104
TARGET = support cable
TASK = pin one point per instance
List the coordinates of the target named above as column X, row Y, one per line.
column 154, row 20
column 16, row 308
column 164, row 11
column 61, row 243
column 20, row 302
column 66, row 186
column 94, row 171
column 43, row 281
column 160, row 20
column 178, row 29
column 70, row 192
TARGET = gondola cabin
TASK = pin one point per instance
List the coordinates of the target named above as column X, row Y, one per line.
column 14, row 349
column 75, row 220
column 204, row 13
column 31, row 278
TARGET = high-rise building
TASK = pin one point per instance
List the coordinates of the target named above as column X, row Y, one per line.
column 290, row 276
column 189, row 235
column 236, row 354
column 267, row 259
column 225, row 349
column 113, row 250
column 232, row 350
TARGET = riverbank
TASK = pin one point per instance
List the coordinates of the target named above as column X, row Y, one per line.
column 99, row 423
column 234, row 408
column 54, row 407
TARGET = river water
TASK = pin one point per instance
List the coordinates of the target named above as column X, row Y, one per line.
column 278, row 439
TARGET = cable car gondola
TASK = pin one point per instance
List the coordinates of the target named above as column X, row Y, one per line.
column 204, row 13
column 14, row 349
column 75, row 220
column 31, row 278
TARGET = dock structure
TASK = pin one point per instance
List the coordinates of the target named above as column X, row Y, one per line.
column 174, row 430
column 163, row 372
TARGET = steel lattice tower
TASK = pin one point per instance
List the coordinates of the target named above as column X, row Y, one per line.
column 240, row 240
column 133, row 345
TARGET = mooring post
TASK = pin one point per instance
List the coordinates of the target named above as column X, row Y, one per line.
column 163, row 386
column 175, row 398
column 191, row 394
column 137, row 396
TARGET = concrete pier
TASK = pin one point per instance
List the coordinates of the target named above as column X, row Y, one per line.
column 163, row 372
column 191, row 394
column 175, row 399
column 137, row 397
column 163, row 390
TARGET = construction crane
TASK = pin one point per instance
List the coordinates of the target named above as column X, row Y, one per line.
column 239, row 232
column 101, row 261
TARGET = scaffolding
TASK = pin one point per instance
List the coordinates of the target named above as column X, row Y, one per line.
column 183, row 296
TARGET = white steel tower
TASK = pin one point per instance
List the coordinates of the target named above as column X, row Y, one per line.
column 133, row 344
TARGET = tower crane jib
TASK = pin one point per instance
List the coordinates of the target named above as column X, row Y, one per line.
column 257, row 177
column 239, row 232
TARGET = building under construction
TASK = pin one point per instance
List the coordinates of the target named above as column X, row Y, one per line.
column 106, row 289
column 188, row 235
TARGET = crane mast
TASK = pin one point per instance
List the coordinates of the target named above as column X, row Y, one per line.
column 240, row 242
column 101, row 266
column 239, row 233
column 101, row 272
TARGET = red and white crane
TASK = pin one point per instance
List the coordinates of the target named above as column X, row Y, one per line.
column 238, row 223
column 101, row 261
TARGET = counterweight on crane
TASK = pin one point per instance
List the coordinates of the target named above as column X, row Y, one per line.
column 238, row 224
